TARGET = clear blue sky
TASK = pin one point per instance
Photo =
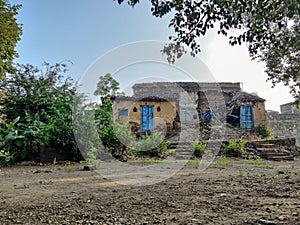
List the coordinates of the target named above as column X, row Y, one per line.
column 83, row 30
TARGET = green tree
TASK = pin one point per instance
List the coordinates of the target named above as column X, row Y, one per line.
column 10, row 34
column 107, row 86
column 270, row 30
column 41, row 99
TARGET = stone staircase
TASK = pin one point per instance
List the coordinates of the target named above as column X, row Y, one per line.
column 183, row 150
column 270, row 152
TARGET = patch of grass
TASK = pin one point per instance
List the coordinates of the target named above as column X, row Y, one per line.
column 68, row 168
column 256, row 175
column 194, row 163
column 284, row 174
column 152, row 161
column 259, row 163
column 221, row 162
column 266, row 166
column 54, row 204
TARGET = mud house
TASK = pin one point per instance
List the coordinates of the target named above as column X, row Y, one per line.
column 246, row 110
column 147, row 113
column 170, row 105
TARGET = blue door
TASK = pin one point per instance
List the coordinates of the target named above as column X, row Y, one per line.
column 246, row 117
column 147, row 122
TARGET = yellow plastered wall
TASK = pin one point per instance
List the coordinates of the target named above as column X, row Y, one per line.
column 166, row 114
column 259, row 113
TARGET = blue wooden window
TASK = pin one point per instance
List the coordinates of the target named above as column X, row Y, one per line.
column 147, row 115
column 246, row 117
column 123, row 112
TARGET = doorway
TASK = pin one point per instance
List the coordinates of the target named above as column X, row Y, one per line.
column 147, row 121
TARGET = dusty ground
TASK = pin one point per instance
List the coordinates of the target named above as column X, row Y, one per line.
column 243, row 192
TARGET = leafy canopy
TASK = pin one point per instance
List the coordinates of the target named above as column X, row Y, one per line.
column 41, row 99
column 270, row 30
column 10, row 34
column 107, row 86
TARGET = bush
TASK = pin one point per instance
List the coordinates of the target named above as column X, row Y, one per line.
column 265, row 131
column 154, row 145
column 105, row 128
column 198, row 148
column 235, row 148
column 20, row 141
column 41, row 99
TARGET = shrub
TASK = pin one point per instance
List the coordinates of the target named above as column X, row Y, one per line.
column 235, row 148
column 154, row 145
column 107, row 131
column 125, row 137
column 198, row 148
column 19, row 141
column 41, row 97
column 265, row 131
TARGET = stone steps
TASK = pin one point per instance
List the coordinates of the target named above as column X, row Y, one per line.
column 270, row 152
column 279, row 158
column 183, row 150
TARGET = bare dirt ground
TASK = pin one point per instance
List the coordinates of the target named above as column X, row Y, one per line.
column 243, row 192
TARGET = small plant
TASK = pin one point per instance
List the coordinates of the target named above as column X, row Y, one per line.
column 259, row 163
column 54, row 161
column 221, row 163
column 235, row 148
column 266, row 166
column 198, row 148
column 12, row 143
column 68, row 168
column 5, row 158
column 168, row 153
column 279, row 172
column 54, row 204
column 265, row 131
column 263, row 175
column 288, row 174
column 258, row 160
column 91, row 157
column 256, row 175
column 252, row 176
column 154, row 145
